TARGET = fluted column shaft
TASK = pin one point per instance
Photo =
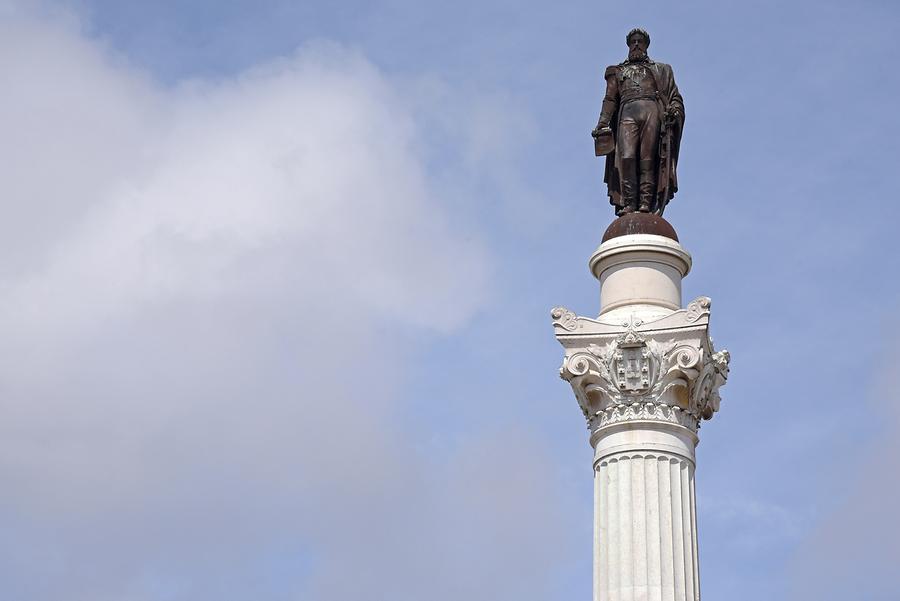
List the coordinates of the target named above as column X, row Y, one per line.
column 645, row 524
column 646, row 528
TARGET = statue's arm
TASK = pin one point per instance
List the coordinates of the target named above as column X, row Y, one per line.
column 675, row 108
column 610, row 100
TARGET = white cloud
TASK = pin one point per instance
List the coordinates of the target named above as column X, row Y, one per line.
column 169, row 191
column 198, row 294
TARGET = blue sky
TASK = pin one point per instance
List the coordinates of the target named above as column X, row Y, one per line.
column 276, row 280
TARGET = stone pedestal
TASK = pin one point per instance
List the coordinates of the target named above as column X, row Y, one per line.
column 645, row 374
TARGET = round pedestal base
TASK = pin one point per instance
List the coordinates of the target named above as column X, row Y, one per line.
column 640, row 269
column 640, row 223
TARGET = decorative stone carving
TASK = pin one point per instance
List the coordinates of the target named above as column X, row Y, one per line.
column 645, row 412
column 660, row 370
column 564, row 318
column 698, row 307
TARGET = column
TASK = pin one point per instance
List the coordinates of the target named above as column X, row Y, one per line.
column 644, row 373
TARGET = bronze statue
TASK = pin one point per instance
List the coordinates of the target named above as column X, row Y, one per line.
column 639, row 130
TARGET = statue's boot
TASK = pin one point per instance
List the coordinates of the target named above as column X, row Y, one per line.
column 628, row 175
column 647, row 186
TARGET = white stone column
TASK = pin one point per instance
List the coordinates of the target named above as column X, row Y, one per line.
column 644, row 373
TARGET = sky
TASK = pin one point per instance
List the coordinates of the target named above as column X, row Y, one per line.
column 275, row 282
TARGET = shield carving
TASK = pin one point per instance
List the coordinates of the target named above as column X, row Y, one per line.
column 633, row 366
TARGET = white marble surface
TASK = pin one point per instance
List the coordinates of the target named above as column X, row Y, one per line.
column 644, row 373
column 640, row 269
column 645, row 537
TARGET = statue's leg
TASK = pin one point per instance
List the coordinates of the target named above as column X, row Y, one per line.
column 649, row 156
column 627, row 147
column 629, row 175
column 647, row 176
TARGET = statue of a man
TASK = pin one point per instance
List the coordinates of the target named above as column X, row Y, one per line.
column 640, row 130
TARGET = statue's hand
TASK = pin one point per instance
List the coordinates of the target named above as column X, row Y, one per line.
column 601, row 129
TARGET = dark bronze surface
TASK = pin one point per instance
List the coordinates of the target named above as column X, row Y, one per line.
column 639, row 130
column 604, row 143
column 640, row 223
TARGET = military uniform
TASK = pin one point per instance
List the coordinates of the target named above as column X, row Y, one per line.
column 639, row 94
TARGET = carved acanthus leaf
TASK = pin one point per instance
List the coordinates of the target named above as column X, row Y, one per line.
column 644, row 411
column 714, row 374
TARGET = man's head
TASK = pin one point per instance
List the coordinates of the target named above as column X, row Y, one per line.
column 638, row 41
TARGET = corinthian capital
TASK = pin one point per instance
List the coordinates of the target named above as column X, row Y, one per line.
column 665, row 369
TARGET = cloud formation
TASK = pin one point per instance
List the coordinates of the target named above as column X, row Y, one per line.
column 209, row 297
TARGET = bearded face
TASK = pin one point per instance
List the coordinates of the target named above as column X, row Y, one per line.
column 637, row 48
